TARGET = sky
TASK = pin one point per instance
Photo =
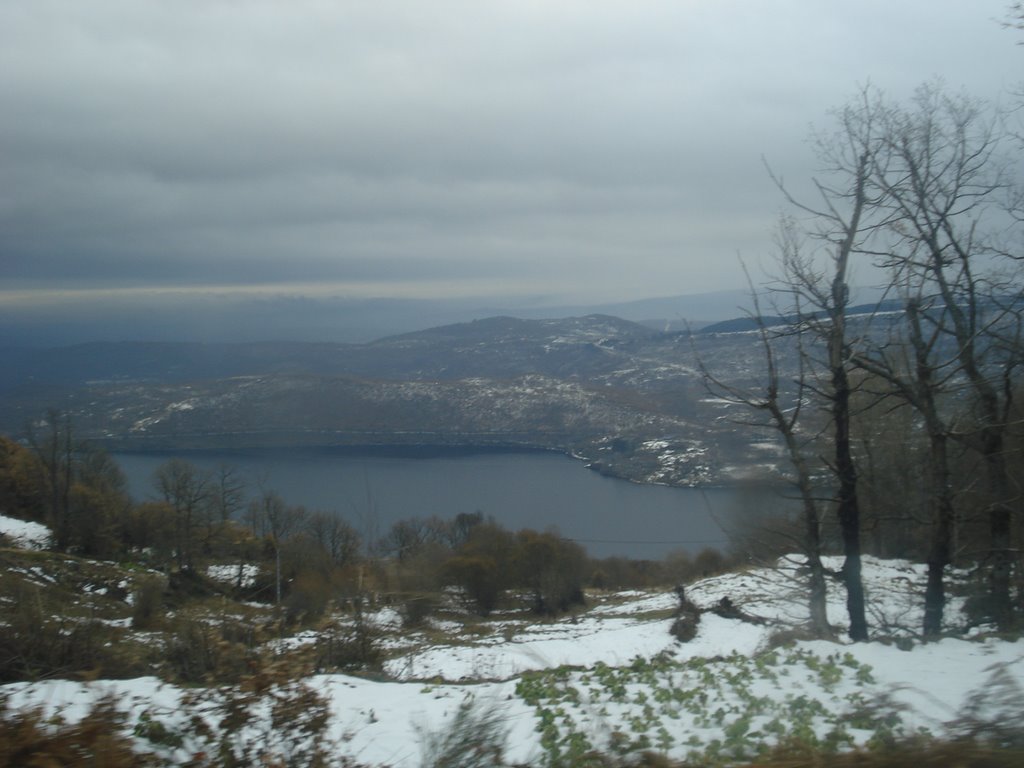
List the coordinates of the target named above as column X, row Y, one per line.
column 580, row 151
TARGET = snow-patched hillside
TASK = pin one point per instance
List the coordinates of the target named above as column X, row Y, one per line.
column 614, row 679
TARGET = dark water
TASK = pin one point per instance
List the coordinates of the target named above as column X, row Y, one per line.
column 520, row 490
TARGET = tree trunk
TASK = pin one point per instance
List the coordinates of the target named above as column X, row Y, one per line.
column 848, row 510
column 1000, row 529
column 817, row 600
column 942, row 534
column 277, row 573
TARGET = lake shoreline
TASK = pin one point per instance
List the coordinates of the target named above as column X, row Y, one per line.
column 376, row 450
column 389, row 445
column 520, row 487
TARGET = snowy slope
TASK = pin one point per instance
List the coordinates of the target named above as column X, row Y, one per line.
column 614, row 679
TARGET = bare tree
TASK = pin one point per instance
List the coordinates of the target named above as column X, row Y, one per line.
column 226, row 499
column 782, row 411
column 1014, row 16
column 186, row 489
column 407, row 537
column 919, row 377
column 54, row 444
column 844, row 221
column 945, row 191
column 281, row 521
column 338, row 539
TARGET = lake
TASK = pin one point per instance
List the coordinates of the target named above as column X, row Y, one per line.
column 519, row 490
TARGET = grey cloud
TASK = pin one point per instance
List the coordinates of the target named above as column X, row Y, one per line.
column 595, row 146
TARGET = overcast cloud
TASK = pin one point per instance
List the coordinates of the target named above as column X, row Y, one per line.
column 579, row 150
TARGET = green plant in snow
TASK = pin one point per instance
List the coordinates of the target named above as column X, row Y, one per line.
column 829, row 674
column 665, row 740
column 156, row 732
column 712, row 707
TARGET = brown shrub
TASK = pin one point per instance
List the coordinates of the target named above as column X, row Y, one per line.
column 687, row 622
column 352, row 648
column 710, row 562
column 147, row 607
column 551, row 568
column 415, row 609
column 98, row 739
column 35, row 645
column 197, row 653
column 479, row 578
column 308, row 597
column 296, row 734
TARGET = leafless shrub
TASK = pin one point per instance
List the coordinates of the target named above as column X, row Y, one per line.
column 197, row 653
column 991, row 714
column 35, row 645
column 353, row 648
column 415, row 609
column 476, row 738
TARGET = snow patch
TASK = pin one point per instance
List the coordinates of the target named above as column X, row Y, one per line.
column 26, row 534
column 229, row 574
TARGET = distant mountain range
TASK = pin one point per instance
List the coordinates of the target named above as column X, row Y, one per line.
column 750, row 323
column 214, row 319
column 627, row 398
column 495, row 347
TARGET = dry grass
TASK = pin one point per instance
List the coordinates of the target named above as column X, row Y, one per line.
column 27, row 741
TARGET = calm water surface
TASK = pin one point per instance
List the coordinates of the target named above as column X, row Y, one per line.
column 520, row 490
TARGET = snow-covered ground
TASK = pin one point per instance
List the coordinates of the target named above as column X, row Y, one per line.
column 244, row 574
column 613, row 678
column 25, row 534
